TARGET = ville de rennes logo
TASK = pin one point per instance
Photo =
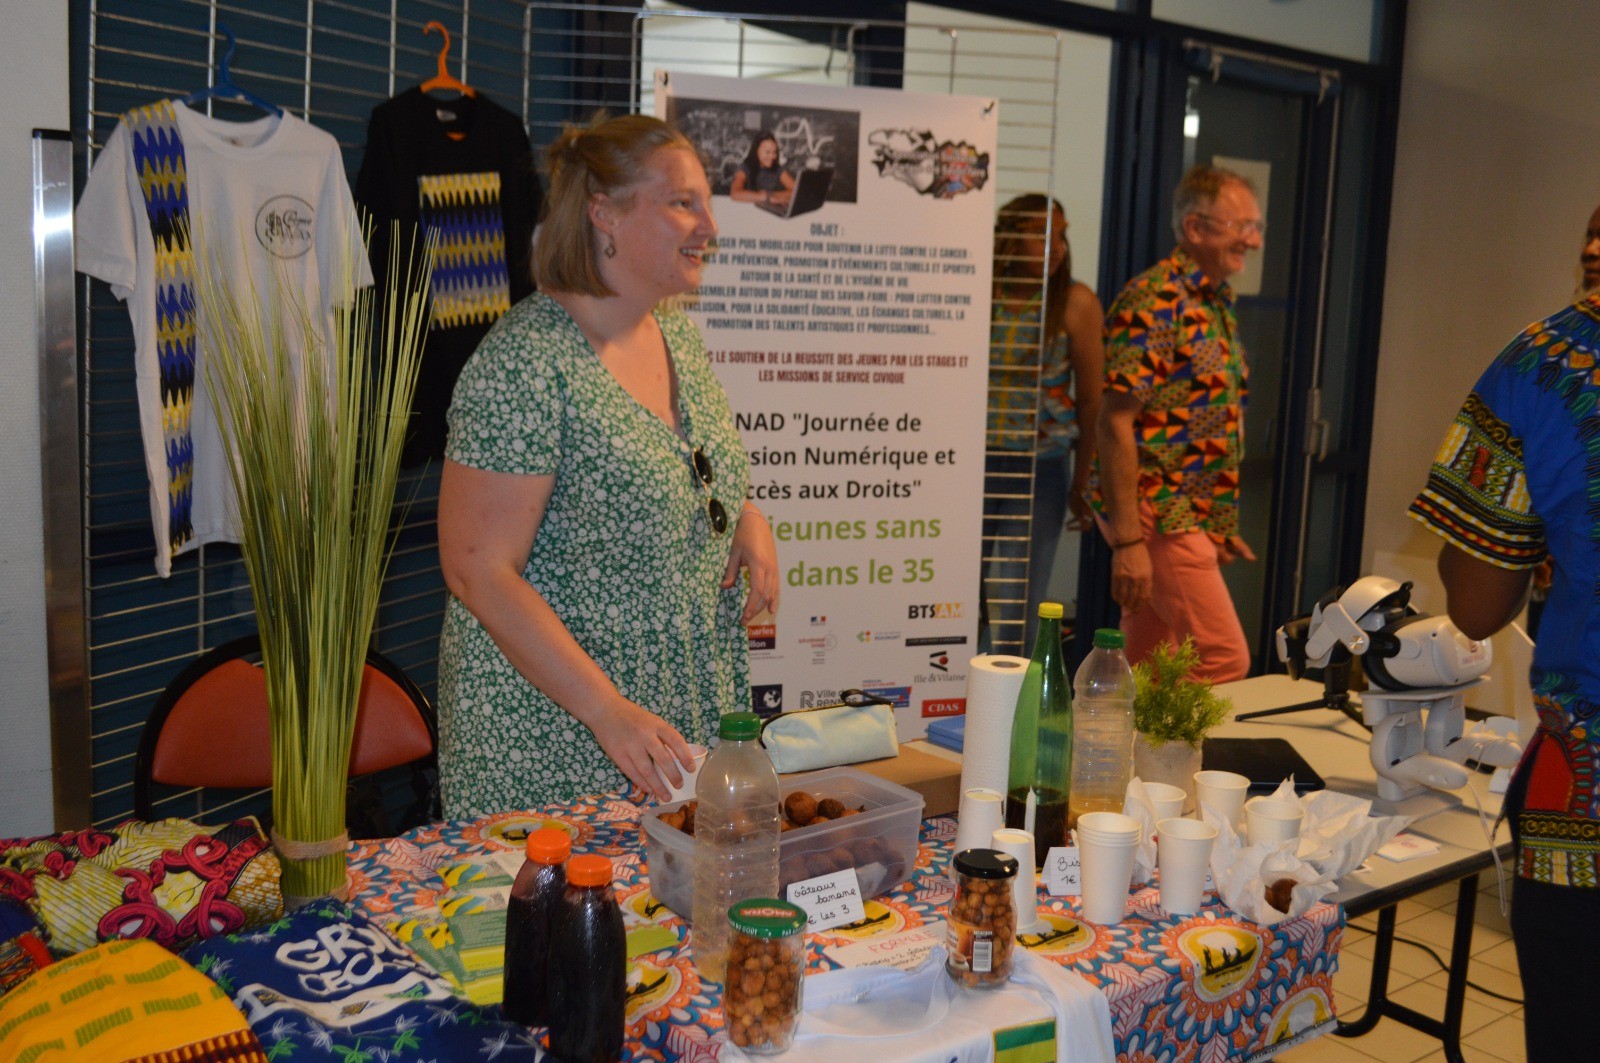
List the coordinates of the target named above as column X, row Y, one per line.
column 942, row 169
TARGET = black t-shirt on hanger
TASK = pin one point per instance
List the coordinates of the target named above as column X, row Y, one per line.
column 463, row 169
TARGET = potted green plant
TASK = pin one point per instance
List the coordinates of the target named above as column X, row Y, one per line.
column 1171, row 715
column 312, row 421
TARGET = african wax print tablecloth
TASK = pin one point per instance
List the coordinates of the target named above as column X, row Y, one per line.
column 1206, row 987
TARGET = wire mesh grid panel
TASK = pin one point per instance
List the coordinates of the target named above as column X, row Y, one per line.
column 331, row 62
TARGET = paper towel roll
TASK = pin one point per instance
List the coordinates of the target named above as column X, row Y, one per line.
column 993, row 682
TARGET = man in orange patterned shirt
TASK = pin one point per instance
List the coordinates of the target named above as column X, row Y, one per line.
column 1171, row 430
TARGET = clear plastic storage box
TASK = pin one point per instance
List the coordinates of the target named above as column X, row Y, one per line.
column 880, row 843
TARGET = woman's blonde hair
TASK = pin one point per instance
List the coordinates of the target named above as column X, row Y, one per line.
column 606, row 157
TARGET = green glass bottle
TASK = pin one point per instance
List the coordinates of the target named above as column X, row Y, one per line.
column 1041, row 742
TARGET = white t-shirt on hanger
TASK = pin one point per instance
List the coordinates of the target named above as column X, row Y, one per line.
column 268, row 194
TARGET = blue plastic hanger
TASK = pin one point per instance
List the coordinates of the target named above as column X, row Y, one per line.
column 224, row 89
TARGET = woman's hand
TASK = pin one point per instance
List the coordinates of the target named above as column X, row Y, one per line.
column 755, row 551
column 648, row 749
column 1080, row 514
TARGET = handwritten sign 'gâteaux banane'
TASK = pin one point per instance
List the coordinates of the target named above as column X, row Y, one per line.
column 829, row 900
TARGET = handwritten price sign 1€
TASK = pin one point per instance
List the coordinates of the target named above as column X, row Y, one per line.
column 1063, row 872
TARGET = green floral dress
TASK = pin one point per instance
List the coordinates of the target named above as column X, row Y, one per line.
column 625, row 555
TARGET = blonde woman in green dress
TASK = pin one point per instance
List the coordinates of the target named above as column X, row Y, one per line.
column 594, row 532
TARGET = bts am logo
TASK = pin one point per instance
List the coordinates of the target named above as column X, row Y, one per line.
column 934, row 611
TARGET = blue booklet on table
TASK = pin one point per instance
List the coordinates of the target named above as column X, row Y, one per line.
column 948, row 731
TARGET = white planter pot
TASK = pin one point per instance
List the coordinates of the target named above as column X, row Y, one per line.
column 1173, row 763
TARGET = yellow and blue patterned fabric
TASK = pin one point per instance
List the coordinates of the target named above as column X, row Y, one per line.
column 1030, row 403
column 461, row 213
column 1518, row 479
column 121, row 1002
column 159, row 159
column 1173, row 344
column 326, row 983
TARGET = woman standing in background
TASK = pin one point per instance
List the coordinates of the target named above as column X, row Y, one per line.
column 1045, row 375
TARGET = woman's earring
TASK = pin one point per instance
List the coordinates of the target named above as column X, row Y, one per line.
column 611, row 248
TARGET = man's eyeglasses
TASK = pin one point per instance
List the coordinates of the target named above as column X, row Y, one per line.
column 1242, row 227
column 715, row 512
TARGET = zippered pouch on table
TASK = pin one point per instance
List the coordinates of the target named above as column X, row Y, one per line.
column 861, row 727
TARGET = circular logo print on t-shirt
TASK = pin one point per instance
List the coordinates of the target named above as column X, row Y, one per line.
column 285, row 225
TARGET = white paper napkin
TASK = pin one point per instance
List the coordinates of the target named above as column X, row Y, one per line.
column 1336, row 835
column 1137, row 803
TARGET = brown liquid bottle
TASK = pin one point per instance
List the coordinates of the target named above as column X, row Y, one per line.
column 540, row 883
column 588, row 967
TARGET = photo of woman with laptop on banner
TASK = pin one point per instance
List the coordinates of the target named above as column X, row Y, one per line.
column 773, row 156
column 764, row 180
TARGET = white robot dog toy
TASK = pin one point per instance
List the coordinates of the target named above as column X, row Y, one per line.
column 1420, row 668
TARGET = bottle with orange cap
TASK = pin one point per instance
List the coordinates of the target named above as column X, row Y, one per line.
column 534, row 896
column 588, row 967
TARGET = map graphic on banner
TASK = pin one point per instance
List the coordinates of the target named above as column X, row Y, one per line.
column 850, row 327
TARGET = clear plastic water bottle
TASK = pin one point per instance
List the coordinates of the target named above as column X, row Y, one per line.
column 1102, row 743
column 736, row 837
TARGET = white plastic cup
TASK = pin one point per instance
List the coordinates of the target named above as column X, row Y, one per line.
column 1183, row 853
column 1166, row 800
column 1108, row 825
column 685, row 790
column 1107, row 842
column 982, row 812
column 1223, row 792
column 1024, row 887
column 1270, row 820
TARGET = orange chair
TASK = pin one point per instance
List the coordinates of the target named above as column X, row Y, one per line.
column 210, row 729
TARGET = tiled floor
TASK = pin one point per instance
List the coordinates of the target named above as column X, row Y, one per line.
column 1491, row 1031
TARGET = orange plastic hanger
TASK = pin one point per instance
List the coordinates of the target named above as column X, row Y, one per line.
column 444, row 79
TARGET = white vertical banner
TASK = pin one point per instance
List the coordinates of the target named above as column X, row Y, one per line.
column 850, row 327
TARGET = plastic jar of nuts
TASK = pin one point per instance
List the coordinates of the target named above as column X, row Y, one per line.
column 766, row 972
column 983, row 919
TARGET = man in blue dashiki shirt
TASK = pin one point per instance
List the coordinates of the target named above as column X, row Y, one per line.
column 1517, row 480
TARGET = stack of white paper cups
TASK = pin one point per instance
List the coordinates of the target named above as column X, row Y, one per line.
column 1107, row 842
column 982, row 812
column 1024, row 888
column 1183, row 852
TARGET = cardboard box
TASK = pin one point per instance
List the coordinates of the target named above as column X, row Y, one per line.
column 918, row 767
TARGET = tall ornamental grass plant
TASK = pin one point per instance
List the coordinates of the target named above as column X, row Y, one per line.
column 313, row 422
